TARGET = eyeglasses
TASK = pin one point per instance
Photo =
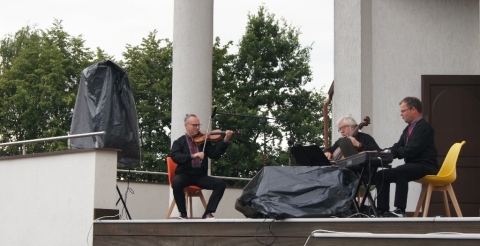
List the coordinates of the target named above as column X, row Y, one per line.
column 195, row 125
column 403, row 111
column 342, row 128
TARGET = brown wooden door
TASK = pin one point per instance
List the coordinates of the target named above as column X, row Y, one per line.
column 452, row 106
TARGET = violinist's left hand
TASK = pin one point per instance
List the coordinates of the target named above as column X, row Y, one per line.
column 228, row 134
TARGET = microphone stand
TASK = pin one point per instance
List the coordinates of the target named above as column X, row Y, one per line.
column 290, row 142
column 263, row 121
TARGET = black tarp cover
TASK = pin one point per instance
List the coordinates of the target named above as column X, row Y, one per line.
column 299, row 192
column 105, row 103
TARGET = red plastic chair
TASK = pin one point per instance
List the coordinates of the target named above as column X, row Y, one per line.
column 190, row 191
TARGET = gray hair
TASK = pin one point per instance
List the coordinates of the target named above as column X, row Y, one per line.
column 412, row 102
column 188, row 117
column 348, row 120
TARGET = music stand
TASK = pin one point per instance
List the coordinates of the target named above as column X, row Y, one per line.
column 123, row 202
column 310, row 155
column 120, row 196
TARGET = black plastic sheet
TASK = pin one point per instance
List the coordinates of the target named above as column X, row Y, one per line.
column 299, row 192
column 105, row 103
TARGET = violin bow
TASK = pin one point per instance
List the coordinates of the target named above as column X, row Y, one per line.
column 208, row 128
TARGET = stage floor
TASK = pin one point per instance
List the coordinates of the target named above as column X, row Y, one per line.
column 289, row 231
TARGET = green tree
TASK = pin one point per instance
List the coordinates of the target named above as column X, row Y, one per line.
column 149, row 67
column 40, row 72
column 39, row 76
column 266, row 79
column 102, row 56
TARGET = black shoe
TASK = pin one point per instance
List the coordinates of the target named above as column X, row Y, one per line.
column 208, row 216
column 183, row 216
column 397, row 213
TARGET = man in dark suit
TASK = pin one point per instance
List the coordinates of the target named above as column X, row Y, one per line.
column 417, row 147
column 192, row 166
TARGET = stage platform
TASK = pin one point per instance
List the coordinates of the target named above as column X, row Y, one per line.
column 357, row 231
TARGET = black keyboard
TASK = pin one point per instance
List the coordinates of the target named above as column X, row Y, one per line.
column 375, row 159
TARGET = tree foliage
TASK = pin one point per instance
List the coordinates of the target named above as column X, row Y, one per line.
column 39, row 76
column 265, row 80
column 149, row 67
column 259, row 91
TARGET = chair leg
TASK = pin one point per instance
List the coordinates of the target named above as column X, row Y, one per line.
column 202, row 198
column 421, row 200
column 445, row 201
column 191, row 206
column 172, row 205
column 188, row 200
column 454, row 200
column 427, row 200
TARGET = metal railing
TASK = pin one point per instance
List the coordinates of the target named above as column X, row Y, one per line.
column 24, row 142
column 164, row 173
column 68, row 137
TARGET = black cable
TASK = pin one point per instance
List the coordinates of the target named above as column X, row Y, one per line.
column 266, row 236
column 257, row 230
column 271, row 232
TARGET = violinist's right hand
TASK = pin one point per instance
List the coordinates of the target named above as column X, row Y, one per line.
column 328, row 155
column 198, row 155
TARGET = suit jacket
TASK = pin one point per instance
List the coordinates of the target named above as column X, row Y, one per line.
column 180, row 154
column 368, row 143
column 420, row 147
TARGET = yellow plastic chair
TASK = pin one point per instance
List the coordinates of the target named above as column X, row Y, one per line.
column 441, row 182
column 190, row 191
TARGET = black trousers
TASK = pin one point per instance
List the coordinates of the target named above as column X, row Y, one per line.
column 181, row 181
column 400, row 175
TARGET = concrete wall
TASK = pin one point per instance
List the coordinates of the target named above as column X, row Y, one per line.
column 150, row 201
column 50, row 199
column 383, row 47
column 414, row 38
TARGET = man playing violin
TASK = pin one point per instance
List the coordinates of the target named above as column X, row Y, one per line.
column 193, row 165
column 362, row 141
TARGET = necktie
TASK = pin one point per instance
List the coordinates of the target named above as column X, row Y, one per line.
column 193, row 149
column 409, row 130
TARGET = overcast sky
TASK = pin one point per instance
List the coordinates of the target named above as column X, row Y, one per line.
column 111, row 25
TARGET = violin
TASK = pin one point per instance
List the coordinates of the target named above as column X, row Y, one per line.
column 337, row 154
column 214, row 135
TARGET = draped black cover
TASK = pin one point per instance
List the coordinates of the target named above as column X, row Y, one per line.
column 105, row 103
column 299, row 192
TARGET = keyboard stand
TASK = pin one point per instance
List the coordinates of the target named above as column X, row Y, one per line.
column 367, row 195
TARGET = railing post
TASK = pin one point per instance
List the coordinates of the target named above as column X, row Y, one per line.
column 24, row 149
column 96, row 142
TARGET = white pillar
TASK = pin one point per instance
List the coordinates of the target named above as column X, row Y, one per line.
column 192, row 62
column 353, row 62
column 192, row 66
